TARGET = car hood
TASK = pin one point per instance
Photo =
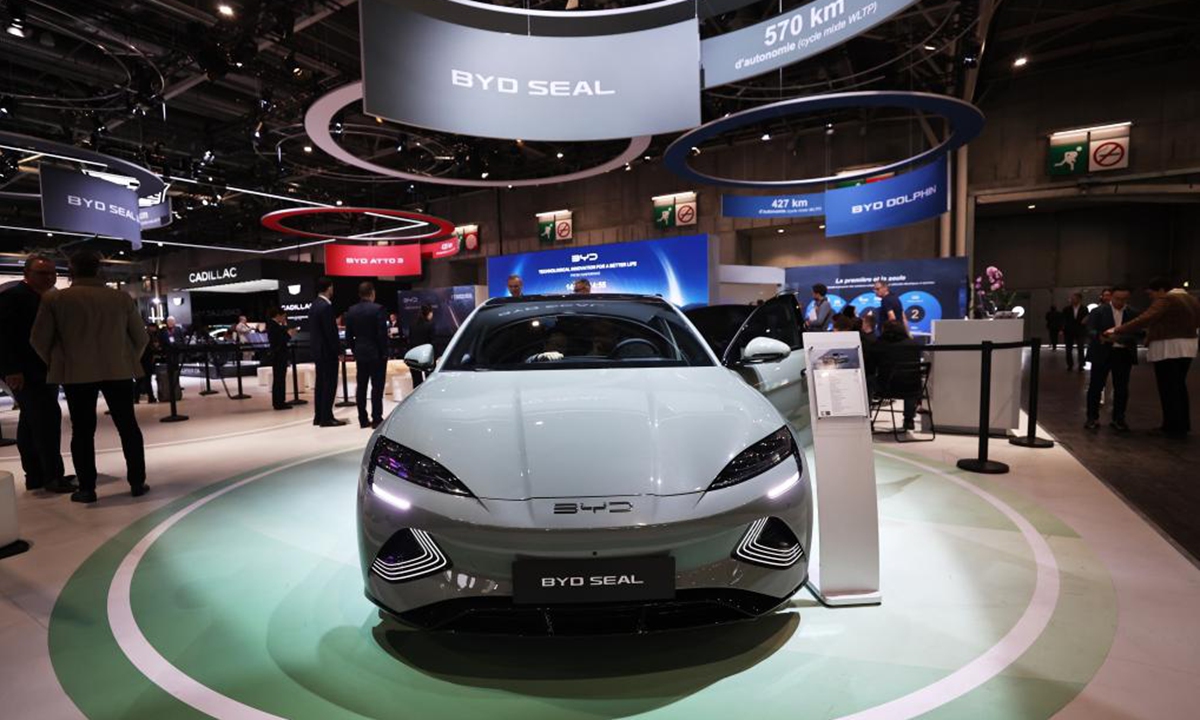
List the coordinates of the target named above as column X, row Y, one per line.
column 523, row 434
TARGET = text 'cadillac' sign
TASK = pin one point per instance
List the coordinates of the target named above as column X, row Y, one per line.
column 428, row 72
column 73, row 201
column 373, row 260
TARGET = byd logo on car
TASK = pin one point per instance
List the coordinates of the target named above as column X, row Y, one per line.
column 560, row 581
column 570, row 508
column 585, row 257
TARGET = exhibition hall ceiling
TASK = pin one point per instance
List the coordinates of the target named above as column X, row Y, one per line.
column 213, row 95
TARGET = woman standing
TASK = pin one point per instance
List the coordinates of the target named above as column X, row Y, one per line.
column 1171, row 323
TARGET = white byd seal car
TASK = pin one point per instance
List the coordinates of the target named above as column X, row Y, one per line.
column 587, row 463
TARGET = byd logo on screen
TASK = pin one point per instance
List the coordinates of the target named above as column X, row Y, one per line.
column 892, row 202
column 101, row 206
column 533, row 88
column 357, row 260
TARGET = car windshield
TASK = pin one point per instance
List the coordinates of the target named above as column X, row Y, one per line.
column 545, row 334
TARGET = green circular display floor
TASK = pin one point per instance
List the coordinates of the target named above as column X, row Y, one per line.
column 255, row 598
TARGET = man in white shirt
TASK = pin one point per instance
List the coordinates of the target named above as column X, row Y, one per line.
column 1113, row 355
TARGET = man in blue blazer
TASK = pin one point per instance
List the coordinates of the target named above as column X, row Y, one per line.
column 1112, row 355
column 326, row 350
column 366, row 335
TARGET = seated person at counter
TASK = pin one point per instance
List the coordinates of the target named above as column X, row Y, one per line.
column 896, row 361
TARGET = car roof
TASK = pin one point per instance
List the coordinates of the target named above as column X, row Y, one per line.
column 589, row 298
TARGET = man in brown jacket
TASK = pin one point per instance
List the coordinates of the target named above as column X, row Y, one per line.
column 1171, row 324
column 91, row 338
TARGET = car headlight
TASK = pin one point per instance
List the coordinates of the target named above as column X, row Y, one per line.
column 757, row 459
column 413, row 467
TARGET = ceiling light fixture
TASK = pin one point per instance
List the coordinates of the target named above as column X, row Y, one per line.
column 780, row 231
column 1032, row 206
column 484, row 175
column 225, row 9
column 930, row 48
column 1022, row 61
column 766, row 136
column 16, row 19
column 559, row 156
column 308, row 148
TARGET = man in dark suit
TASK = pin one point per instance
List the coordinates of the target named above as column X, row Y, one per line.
column 1111, row 354
column 278, row 337
column 326, row 350
column 172, row 336
column 366, row 335
column 421, row 334
column 1074, row 330
column 39, row 429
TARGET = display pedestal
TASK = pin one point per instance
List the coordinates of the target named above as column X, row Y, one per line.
column 844, row 566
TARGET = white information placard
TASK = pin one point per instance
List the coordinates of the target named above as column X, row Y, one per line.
column 841, row 389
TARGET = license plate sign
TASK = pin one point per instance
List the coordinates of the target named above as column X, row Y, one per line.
column 596, row 580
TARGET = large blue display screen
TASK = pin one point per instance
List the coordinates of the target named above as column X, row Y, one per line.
column 928, row 290
column 675, row 268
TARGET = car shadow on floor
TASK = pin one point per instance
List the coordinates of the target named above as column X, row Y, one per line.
column 655, row 668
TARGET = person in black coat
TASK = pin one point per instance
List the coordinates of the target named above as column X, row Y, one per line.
column 367, row 336
column 1074, row 330
column 1113, row 355
column 39, row 428
column 326, row 349
column 897, row 368
column 279, row 335
column 1054, row 320
column 145, row 384
column 421, row 334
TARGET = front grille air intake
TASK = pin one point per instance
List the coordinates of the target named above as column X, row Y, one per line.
column 409, row 555
column 770, row 543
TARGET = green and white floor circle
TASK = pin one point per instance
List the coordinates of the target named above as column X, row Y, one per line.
column 244, row 600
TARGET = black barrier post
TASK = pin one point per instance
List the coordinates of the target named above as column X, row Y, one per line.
column 237, row 368
column 981, row 464
column 346, row 401
column 295, row 382
column 207, row 377
column 172, row 386
column 1031, row 440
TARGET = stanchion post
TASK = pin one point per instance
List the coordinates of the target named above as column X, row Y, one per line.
column 346, row 401
column 207, row 376
column 1030, row 439
column 981, row 464
column 237, row 368
column 295, row 380
column 5, row 442
column 172, row 386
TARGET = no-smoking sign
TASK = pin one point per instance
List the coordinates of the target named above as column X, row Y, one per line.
column 562, row 229
column 1109, row 154
column 685, row 214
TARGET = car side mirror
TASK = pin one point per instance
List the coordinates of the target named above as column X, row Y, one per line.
column 420, row 358
column 765, row 350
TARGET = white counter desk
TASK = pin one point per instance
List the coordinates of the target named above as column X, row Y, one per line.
column 954, row 379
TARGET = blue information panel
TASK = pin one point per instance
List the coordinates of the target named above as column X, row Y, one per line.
column 900, row 200
column 675, row 268
column 761, row 206
column 928, row 290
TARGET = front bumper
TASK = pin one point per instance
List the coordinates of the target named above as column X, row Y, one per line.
column 482, row 538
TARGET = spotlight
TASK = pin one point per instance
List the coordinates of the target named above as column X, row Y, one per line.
column 225, row 9
column 559, row 156
column 780, row 231
column 821, row 227
column 628, row 167
column 337, row 202
column 695, row 151
column 646, row 158
column 766, row 136
column 1021, row 62
column 1031, row 207
column 6, row 106
column 930, row 48
column 290, row 64
column 484, row 175
column 16, row 19
column 208, row 157
column 308, row 148
column 828, row 128
column 336, row 127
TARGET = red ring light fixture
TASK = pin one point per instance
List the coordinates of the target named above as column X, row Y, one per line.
column 442, row 228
